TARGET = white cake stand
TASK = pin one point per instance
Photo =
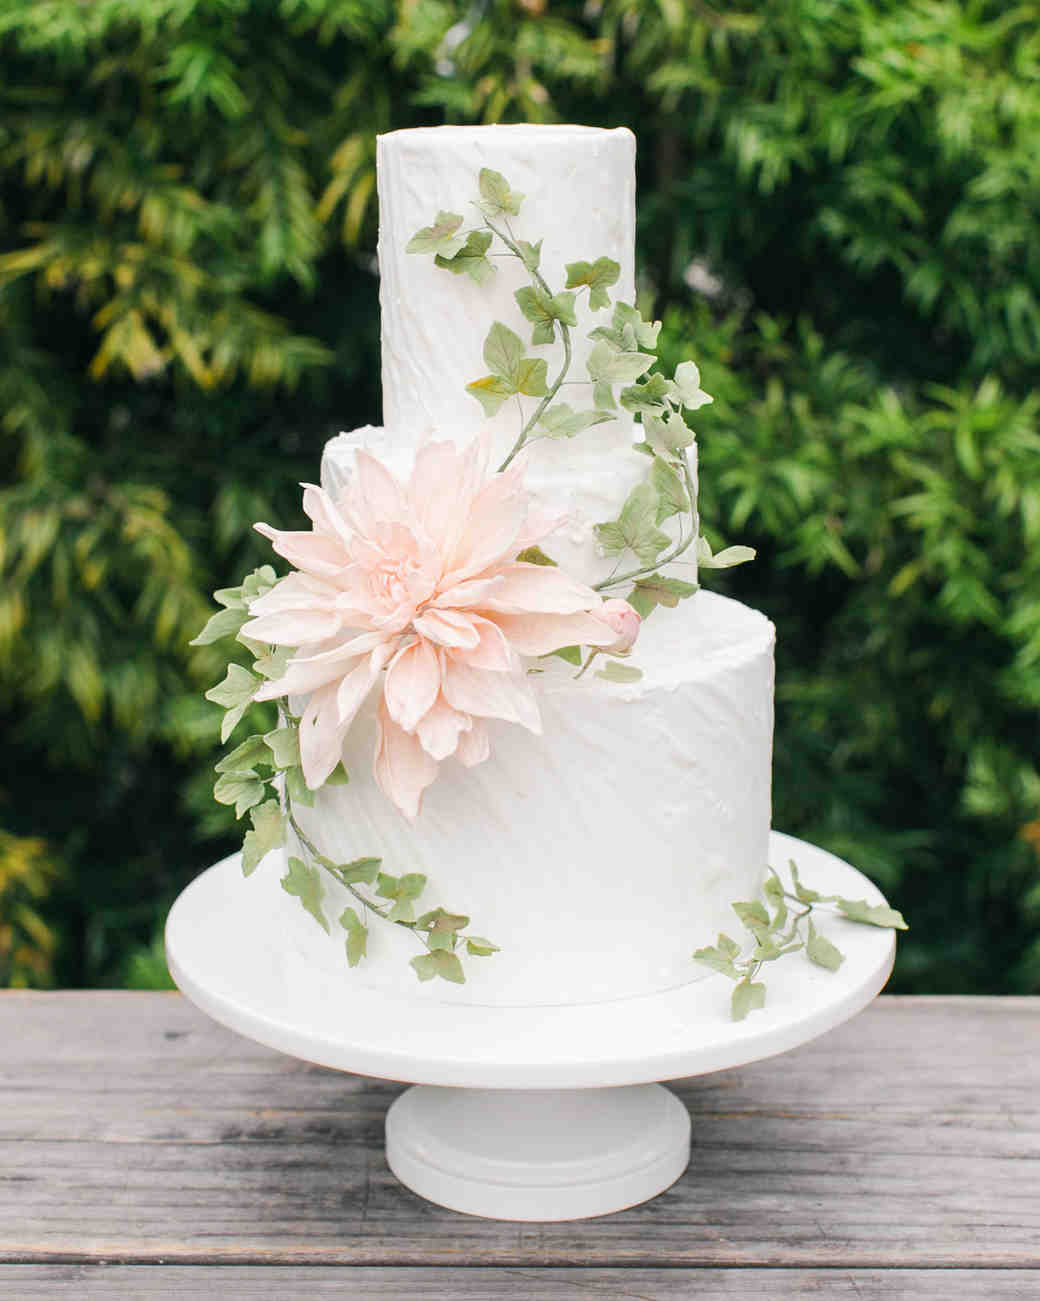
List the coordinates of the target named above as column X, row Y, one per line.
column 520, row 1113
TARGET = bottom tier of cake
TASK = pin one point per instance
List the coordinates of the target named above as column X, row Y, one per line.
column 597, row 856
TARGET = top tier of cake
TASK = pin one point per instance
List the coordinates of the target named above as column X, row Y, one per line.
column 579, row 188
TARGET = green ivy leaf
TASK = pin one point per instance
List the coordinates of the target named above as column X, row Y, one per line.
column 360, row 870
column 636, row 527
column 535, row 556
column 766, row 950
column 234, row 693
column 774, row 892
column 614, row 671
column 496, row 195
column 629, row 332
column 443, row 928
column 244, row 757
column 297, row 789
column 562, row 421
column 544, row 311
column 667, row 434
column 480, row 947
column 820, row 950
column 471, row 260
column 688, row 386
column 572, row 654
column 491, row 392
column 339, row 776
column 802, row 892
column 725, row 559
column 242, row 789
column 304, row 883
column 268, row 833
column 503, row 350
column 598, row 275
column 879, row 914
column 714, row 957
column 357, row 936
column 225, row 623
column 656, row 590
column 275, row 662
column 607, row 365
column 747, row 997
column 651, row 396
column 672, row 498
column 531, row 378
column 439, row 962
column 530, row 254
column 441, row 238
column 512, row 372
column 403, row 891
column 753, row 916
column 284, row 745
column 261, row 581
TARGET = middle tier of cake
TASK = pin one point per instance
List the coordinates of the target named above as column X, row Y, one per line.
column 597, row 856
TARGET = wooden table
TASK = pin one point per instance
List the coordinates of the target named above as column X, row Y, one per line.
column 146, row 1152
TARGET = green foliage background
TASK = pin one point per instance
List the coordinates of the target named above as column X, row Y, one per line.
column 839, row 218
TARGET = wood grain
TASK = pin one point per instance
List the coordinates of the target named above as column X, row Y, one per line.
column 257, row 1283
column 135, row 1130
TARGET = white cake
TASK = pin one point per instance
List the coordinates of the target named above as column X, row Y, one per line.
column 599, row 855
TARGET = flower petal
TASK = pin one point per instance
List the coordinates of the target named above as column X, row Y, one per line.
column 321, row 510
column 473, row 747
column 321, row 737
column 447, row 628
column 492, row 650
column 294, row 627
column 403, row 769
column 539, row 589
column 439, row 731
column 413, row 681
column 314, row 553
column 541, row 634
column 488, row 694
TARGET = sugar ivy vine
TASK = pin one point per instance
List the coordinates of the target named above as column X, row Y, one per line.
column 262, row 776
column 775, row 928
column 622, row 355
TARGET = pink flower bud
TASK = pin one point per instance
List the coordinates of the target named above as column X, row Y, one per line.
column 619, row 616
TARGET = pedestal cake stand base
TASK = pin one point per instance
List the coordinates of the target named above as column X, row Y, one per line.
column 522, row 1113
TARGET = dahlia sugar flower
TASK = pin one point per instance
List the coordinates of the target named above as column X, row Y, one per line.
column 417, row 587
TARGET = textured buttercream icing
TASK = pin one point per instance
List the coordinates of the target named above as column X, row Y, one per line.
column 599, row 855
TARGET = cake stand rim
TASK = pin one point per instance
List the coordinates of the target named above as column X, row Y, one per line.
column 760, row 1036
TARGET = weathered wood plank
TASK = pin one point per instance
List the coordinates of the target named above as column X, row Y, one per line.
column 134, row 1129
column 254, row 1283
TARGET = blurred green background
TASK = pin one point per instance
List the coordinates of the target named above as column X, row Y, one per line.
column 839, row 206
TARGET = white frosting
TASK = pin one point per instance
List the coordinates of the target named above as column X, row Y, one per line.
column 579, row 188
column 599, row 855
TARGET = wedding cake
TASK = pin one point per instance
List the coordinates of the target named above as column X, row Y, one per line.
column 500, row 767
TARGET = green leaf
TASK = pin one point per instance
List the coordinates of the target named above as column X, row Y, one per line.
column 603, row 396
column 480, row 947
column 243, row 757
column 402, row 890
column 261, row 581
column 598, row 275
column 441, row 963
column 688, row 386
column 304, row 882
column 496, row 195
column 614, row 671
column 531, row 377
column 357, row 936
column 530, row 254
column 338, row 777
column 544, row 311
column 725, row 559
column 726, row 945
column 628, row 332
column 242, row 789
column 753, row 915
column 363, row 870
column 636, row 527
column 225, row 623
column 268, row 833
column 561, row 421
column 820, row 950
column 297, row 789
column 443, row 928
column 613, row 367
column 672, row 498
column 766, row 950
column 503, row 350
column 878, row 914
column 747, row 997
column 656, row 590
column 802, row 892
column 535, row 556
column 667, row 434
column 651, row 396
column 714, row 957
column 234, row 692
column 491, row 392
column 774, row 892
column 274, row 664
column 284, row 745
column 471, row 259
column 442, row 237
column 572, row 654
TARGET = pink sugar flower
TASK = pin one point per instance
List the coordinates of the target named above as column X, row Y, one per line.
column 417, row 587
